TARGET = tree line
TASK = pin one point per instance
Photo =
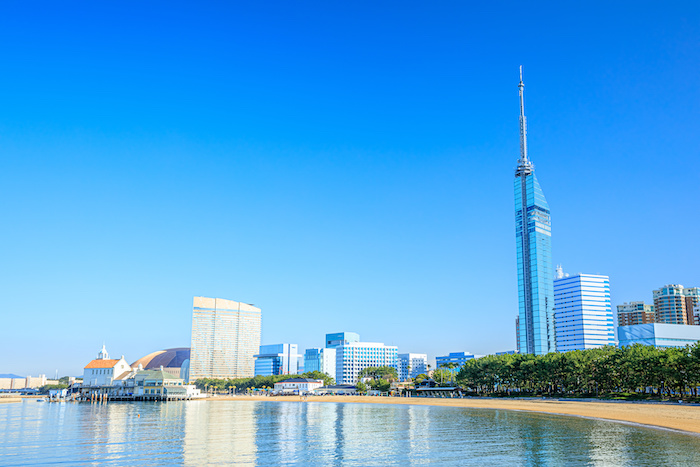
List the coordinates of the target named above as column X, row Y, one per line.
column 637, row 370
column 257, row 382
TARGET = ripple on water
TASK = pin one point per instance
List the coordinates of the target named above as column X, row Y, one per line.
column 322, row 433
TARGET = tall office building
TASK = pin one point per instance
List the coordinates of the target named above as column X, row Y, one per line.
column 341, row 338
column 633, row 313
column 534, row 248
column 412, row 365
column 225, row 337
column 458, row 358
column 582, row 312
column 675, row 304
column 322, row 360
column 353, row 357
column 278, row 359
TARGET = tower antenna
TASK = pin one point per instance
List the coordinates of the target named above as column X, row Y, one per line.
column 523, row 121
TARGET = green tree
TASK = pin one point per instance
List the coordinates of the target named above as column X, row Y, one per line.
column 327, row 380
column 419, row 379
column 382, row 372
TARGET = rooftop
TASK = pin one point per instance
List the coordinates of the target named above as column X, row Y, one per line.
column 301, row 380
column 106, row 363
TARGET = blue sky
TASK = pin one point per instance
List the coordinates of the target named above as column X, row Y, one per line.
column 342, row 167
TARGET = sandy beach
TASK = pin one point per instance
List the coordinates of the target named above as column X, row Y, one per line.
column 676, row 417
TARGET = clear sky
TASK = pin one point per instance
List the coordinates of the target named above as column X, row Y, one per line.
column 345, row 168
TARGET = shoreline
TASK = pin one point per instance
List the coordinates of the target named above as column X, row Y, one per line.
column 682, row 418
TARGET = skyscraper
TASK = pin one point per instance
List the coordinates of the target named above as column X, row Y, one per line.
column 534, row 246
column 225, row 336
column 583, row 314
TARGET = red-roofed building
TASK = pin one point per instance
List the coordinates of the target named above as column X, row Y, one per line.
column 103, row 371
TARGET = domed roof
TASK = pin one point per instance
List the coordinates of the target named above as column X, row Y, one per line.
column 168, row 358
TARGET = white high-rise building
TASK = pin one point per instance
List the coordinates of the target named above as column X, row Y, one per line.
column 412, row 365
column 352, row 357
column 583, row 313
column 322, row 360
column 225, row 337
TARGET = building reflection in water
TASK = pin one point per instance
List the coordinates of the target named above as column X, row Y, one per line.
column 219, row 433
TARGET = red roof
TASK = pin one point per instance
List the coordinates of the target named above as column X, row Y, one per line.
column 102, row 364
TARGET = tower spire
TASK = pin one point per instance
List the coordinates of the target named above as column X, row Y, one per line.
column 524, row 165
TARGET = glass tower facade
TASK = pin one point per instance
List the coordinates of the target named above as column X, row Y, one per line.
column 533, row 235
column 225, row 336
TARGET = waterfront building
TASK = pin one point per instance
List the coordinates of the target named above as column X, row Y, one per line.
column 412, row 365
column 225, row 337
column 658, row 335
column 298, row 385
column 633, row 313
column 139, row 384
column 458, row 358
column 675, row 304
column 341, row 338
column 278, row 359
column 533, row 243
column 159, row 384
column 583, row 313
column 175, row 361
column 353, row 357
column 337, row 389
column 322, row 360
column 103, row 370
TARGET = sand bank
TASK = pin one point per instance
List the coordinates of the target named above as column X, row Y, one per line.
column 676, row 417
column 7, row 400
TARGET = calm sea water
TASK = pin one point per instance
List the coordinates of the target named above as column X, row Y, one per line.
column 321, row 433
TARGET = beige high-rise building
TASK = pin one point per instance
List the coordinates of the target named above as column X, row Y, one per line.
column 675, row 304
column 225, row 336
column 630, row 314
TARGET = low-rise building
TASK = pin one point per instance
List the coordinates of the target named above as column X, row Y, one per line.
column 298, row 385
column 158, row 384
column 10, row 381
column 337, row 389
column 658, row 335
column 103, row 370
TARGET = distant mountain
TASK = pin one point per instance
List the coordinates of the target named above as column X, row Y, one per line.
column 9, row 375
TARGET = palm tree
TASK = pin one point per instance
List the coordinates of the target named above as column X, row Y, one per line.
column 451, row 366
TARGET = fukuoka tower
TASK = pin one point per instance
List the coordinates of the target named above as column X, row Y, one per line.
column 533, row 235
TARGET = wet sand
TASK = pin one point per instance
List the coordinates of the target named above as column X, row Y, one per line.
column 676, row 417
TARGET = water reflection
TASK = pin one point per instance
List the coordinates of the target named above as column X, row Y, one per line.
column 219, row 433
column 324, row 434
